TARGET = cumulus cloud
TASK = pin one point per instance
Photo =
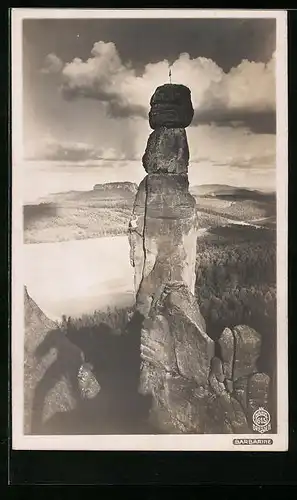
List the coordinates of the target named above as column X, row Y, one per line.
column 245, row 96
column 231, row 146
column 52, row 64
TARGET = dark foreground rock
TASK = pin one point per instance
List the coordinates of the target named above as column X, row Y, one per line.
column 186, row 380
column 55, row 377
column 176, row 354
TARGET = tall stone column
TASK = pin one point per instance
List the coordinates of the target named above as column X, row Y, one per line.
column 163, row 228
column 163, row 233
column 192, row 389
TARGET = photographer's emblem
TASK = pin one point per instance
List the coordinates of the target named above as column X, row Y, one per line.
column 261, row 420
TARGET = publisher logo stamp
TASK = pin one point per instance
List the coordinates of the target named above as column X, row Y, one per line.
column 261, row 421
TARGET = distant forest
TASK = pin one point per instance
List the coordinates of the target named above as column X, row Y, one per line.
column 236, row 282
column 106, row 212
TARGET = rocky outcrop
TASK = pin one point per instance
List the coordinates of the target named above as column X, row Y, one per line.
column 55, row 377
column 176, row 351
column 171, row 107
column 191, row 388
column 163, row 236
column 167, row 151
column 176, row 355
column 235, row 380
column 163, row 226
column 195, row 385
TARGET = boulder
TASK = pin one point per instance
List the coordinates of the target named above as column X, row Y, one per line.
column 187, row 404
column 171, row 93
column 194, row 349
column 157, row 344
column 226, row 343
column 247, row 351
column 171, row 107
column 167, row 151
column 173, row 337
column 224, row 413
column 176, row 353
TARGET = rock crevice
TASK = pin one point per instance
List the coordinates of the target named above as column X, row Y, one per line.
column 192, row 389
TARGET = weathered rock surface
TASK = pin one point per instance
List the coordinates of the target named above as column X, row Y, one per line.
column 241, row 391
column 244, row 391
column 174, row 337
column 226, row 343
column 193, row 347
column 163, row 234
column 51, row 368
column 88, row 384
column 37, row 327
column 240, row 349
column 176, row 354
column 167, row 151
column 217, row 369
column 247, row 351
column 171, row 107
column 187, row 381
column 225, row 415
column 157, row 346
column 195, row 387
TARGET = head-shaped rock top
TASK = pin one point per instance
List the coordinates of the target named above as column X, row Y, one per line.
column 171, row 107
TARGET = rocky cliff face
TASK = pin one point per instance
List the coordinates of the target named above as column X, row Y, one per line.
column 163, row 233
column 193, row 388
column 55, row 377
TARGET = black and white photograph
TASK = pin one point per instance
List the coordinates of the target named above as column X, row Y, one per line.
column 149, row 229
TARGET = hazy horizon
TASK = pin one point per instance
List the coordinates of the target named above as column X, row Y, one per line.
column 42, row 179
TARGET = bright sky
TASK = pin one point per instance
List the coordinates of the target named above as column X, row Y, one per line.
column 87, row 87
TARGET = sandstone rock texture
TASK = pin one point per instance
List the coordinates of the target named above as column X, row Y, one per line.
column 196, row 385
column 163, row 236
column 234, row 378
column 167, row 151
column 171, row 107
column 55, row 377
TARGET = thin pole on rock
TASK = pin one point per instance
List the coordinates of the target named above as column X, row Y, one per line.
column 169, row 73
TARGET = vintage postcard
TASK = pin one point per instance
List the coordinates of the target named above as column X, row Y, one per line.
column 149, row 229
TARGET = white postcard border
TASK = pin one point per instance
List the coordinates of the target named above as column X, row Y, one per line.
column 206, row 442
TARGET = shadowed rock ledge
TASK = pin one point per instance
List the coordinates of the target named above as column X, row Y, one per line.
column 56, row 379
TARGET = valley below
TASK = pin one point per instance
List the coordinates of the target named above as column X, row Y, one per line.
column 79, row 276
column 77, row 264
column 76, row 246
